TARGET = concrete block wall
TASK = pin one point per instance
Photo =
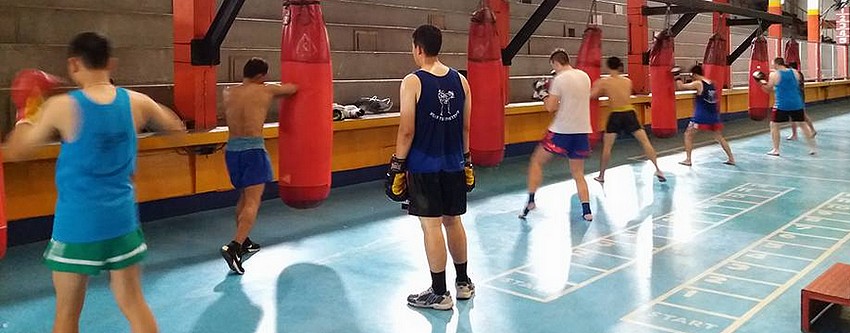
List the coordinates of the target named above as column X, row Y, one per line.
column 370, row 40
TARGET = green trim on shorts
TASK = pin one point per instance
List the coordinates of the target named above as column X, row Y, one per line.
column 92, row 258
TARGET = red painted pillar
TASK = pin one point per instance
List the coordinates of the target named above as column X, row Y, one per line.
column 813, row 45
column 638, row 44
column 775, row 31
column 719, row 27
column 502, row 10
column 194, row 86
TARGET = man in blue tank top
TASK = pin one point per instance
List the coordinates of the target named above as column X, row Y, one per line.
column 785, row 82
column 432, row 160
column 96, row 225
column 706, row 114
column 793, row 135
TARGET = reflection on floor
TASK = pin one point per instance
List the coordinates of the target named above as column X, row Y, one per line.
column 716, row 249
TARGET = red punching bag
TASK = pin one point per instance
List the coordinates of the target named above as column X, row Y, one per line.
column 590, row 61
column 714, row 62
column 487, row 122
column 502, row 10
column 663, row 101
column 759, row 99
column 306, row 128
column 792, row 52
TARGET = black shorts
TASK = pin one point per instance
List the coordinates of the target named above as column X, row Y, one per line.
column 622, row 122
column 779, row 116
column 437, row 194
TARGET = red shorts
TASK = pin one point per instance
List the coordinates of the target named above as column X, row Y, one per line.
column 707, row 127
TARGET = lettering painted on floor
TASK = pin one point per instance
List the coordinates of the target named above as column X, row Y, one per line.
column 682, row 320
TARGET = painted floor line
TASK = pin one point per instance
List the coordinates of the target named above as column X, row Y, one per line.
column 723, row 293
column 799, row 245
column 747, row 279
column 784, row 255
column 693, row 309
column 781, row 175
column 670, row 330
column 779, row 269
column 732, row 259
column 810, row 236
column 606, row 239
column 601, row 270
column 821, row 227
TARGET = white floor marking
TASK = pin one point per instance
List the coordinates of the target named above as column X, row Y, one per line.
column 608, row 241
column 780, row 269
column 746, row 279
column 799, row 245
column 653, row 326
column 723, row 293
column 733, row 259
column 810, row 236
column 783, row 255
column 821, row 227
column 683, row 307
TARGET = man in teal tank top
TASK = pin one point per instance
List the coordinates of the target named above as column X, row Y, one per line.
column 96, row 224
column 790, row 102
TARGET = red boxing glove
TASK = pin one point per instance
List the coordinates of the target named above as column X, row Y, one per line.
column 29, row 89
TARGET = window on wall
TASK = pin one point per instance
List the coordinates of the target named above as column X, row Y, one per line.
column 571, row 32
column 619, row 10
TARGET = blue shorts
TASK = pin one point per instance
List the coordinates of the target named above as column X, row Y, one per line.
column 572, row 146
column 248, row 167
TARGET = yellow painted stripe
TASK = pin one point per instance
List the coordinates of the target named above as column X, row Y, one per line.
column 774, row 3
column 814, row 12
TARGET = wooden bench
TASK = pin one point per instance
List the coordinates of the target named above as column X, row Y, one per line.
column 831, row 287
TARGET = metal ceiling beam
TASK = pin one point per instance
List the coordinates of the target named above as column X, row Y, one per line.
column 740, row 22
column 746, row 43
column 662, row 10
column 703, row 6
column 524, row 34
column 681, row 23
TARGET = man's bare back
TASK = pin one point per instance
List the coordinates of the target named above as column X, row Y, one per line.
column 247, row 106
column 619, row 91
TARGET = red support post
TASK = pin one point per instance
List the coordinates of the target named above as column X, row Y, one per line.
column 774, row 47
column 638, row 45
column 194, row 86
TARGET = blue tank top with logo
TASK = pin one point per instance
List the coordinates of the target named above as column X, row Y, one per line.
column 96, row 196
column 788, row 95
column 438, row 140
column 705, row 105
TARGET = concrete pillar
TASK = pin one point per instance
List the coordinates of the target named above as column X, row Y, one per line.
column 813, row 47
column 774, row 46
column 638, row 44
column 194, row 86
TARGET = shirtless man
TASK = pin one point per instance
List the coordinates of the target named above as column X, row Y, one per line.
column 622, row 117
column 248, row 162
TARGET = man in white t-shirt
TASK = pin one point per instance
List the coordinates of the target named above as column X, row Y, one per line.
column 568, row 96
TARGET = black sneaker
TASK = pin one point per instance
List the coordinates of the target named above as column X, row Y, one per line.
column 465, row 290
column 428, row 299
column 230, row 253
column 250, row 247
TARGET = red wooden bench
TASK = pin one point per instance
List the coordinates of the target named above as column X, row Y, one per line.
column 831, row 287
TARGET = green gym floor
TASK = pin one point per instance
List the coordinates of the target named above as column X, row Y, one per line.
column 715, row 249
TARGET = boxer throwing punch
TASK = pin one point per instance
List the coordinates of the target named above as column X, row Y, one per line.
column 96, row 225
column 785, row 83
column 568, row 96
column 706, row 113
column 246, row 108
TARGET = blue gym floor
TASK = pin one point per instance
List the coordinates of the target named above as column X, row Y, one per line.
column 716, row 249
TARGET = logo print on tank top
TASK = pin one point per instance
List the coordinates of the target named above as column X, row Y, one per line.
column 710, row 96
column 446, row 111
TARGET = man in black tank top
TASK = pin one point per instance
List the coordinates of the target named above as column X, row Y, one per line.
column 431, row 165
